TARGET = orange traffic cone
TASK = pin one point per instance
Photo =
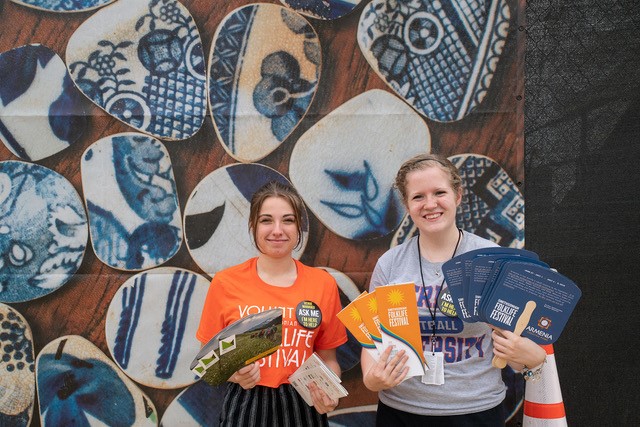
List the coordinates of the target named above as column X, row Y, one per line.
column 543, row 405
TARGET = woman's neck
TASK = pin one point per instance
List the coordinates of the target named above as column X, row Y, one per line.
column 281, row 272
column 439, row 247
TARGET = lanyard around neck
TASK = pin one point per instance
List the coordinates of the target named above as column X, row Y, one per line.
column 426, row 298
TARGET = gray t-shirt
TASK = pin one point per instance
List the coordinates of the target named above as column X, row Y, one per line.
column 471, row 383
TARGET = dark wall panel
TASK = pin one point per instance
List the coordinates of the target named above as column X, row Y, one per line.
column 582, row 151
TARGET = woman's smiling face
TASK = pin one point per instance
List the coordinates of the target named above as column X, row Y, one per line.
column 431, row 200
column 276, row 229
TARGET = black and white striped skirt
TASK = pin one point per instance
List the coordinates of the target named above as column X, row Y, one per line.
column 266, row 406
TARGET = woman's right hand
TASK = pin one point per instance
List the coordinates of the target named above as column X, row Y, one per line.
column 387, row 373
column 248, row 376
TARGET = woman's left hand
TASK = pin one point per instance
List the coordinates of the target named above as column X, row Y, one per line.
column 516, row 349
column 321, row 401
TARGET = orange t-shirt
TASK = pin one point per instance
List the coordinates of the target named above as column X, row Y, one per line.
column 238, row 291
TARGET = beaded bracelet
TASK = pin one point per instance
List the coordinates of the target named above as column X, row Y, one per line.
column 532, row 375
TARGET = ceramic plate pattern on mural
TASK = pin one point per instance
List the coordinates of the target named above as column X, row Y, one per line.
column 132, row 201
column 151, row 326
column 217, row 213
column 439, row 56
column 492, row 205
column 348, row 353
column 264, row 68
column 79, row 385
column 142, row 62
column 43, row 231
column 197, row 405
column 17, row 369
column 65, row 6
column 322, row 9
column 41, row 110
column 345, row 165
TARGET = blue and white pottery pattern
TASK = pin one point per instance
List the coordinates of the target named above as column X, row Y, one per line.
column 151, row 326
column 132, row 201
column 142, row 62
column 349, row 352
column 492, row 205
column 322, row 9
column 17, row 369
column 197, row 405
column 345, row 165
column 64, row 5
column 43, row 231
column 217, row 214
column 79, row 385
column 439, row 56
column 41, row 110
column 264, row 69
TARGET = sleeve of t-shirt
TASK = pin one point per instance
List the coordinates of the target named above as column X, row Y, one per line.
column 333, row 334
column 379, row 276
column 211, row 320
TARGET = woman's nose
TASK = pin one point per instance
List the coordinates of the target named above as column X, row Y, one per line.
column 431, row 202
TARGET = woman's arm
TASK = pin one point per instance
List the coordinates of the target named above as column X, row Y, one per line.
column 329, row 357
column 321, row 401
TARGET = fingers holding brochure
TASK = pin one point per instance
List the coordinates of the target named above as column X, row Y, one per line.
column 322, row 402
column 388, row 371
column 318, row 385
column 248, row 376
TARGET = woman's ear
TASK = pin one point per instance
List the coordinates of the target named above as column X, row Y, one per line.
column 459, row 197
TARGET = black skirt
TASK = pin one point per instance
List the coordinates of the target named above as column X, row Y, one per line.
column 266, row 406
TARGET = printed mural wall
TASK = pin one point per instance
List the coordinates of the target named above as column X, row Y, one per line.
column 135, row 131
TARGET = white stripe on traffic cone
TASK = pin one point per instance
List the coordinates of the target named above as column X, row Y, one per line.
column 543, row 405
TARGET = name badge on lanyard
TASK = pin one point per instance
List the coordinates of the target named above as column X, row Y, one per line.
column 435, row 374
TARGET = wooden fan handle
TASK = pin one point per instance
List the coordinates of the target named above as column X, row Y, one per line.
column 521, row 323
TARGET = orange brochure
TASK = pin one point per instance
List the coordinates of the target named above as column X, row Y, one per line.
column 352, row 320
column 367, row 306
column 399, row 323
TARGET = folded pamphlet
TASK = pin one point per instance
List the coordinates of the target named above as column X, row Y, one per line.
column 367, row 306
column 400, row 324
column 315, row 370
column 239, row 344
column 352, row 320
